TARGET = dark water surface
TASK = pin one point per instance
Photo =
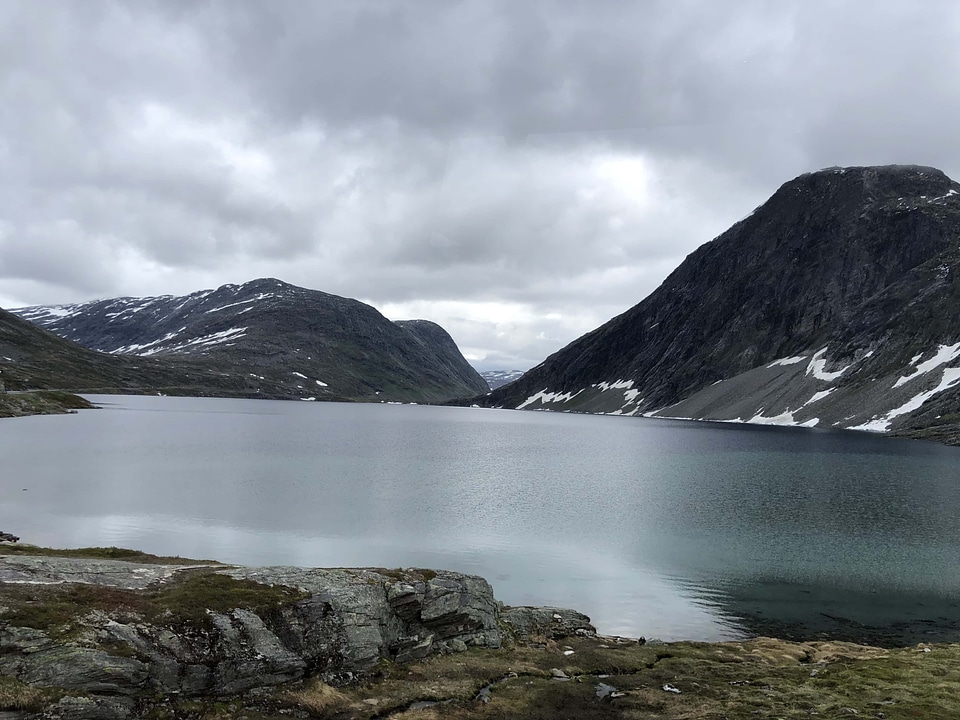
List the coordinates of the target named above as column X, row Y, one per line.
column 660, row 528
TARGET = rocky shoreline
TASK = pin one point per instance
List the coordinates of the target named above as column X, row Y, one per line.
column 40, row 402
column 105, row 633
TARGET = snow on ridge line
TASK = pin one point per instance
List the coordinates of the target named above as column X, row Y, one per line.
column 951, row 377
column 944, row 354
column 787, row 361
column 817, row 365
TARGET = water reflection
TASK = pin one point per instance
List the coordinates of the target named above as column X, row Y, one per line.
column 656, row 528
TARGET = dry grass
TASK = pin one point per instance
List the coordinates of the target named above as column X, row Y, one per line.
column 15, row 695
column 762, row 678
column 317, row 698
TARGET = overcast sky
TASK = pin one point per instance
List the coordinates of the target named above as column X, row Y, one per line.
column 518, row 171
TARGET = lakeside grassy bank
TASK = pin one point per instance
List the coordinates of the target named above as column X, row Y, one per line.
column 40, row 402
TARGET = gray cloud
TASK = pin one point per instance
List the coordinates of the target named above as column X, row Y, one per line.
column 519, row 172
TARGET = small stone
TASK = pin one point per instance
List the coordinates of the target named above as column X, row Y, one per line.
column 372, row 702
column 559, row 674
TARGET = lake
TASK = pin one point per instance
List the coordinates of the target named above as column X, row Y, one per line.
column 669, row 529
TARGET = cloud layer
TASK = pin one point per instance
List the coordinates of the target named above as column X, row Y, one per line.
column 518, row 172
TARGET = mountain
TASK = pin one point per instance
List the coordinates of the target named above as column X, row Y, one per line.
column 33, row 358
column 498, row 378
column 833, row 304
column 278, row 339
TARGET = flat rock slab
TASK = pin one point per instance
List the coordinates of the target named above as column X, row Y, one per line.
column 42, row 570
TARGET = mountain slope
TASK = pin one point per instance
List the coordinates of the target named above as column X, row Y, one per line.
column 303, row 343
column 809, row 311
column 33, row 358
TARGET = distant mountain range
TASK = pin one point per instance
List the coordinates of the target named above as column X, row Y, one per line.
column 497, row 378
column 264, row 338
column 834, row 304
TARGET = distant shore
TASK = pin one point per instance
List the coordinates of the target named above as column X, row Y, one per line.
column 40, row 402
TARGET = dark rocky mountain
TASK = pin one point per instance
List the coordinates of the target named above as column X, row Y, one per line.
column 276, row 340
column 834, row 304
column 499, row 378
column 33, row 358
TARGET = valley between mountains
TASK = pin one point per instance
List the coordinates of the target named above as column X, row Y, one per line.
column 832, row 305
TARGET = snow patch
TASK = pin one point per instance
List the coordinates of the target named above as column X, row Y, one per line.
column 944, row 354
column 135, row 349
column 323, row 384
column 787, row 361
column 202, row 341
column 951, row 376
column 818, row 396
column 545, row 396
column 299, row 375
column 224, row 307
column 817, row 365
column 784, row 419
column 616, row 385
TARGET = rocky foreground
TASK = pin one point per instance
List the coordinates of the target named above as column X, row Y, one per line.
column 107, row 633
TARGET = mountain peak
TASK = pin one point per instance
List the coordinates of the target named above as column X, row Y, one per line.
column 874, row 181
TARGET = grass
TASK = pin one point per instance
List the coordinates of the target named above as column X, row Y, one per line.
column 184, row 601
column 101, row 553
column 762, row 678
column 407, row 575
column 40, row 402
column 17, row 696
column 317, row 698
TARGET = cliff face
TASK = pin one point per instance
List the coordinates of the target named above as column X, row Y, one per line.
column 846, row 284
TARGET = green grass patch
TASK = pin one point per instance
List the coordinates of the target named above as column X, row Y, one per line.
column 101, row 553
column 181, row 602
column 407, row 574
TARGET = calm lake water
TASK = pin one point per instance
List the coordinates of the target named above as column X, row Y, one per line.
column 668, row 529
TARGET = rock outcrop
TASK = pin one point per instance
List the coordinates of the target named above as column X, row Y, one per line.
column 120, row 631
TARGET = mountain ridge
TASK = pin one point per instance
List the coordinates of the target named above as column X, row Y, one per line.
column 301, row 343
column 853, row 268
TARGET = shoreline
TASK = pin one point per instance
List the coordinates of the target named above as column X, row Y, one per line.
column 59, row 402
column 107, row 632
column 41, row 402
